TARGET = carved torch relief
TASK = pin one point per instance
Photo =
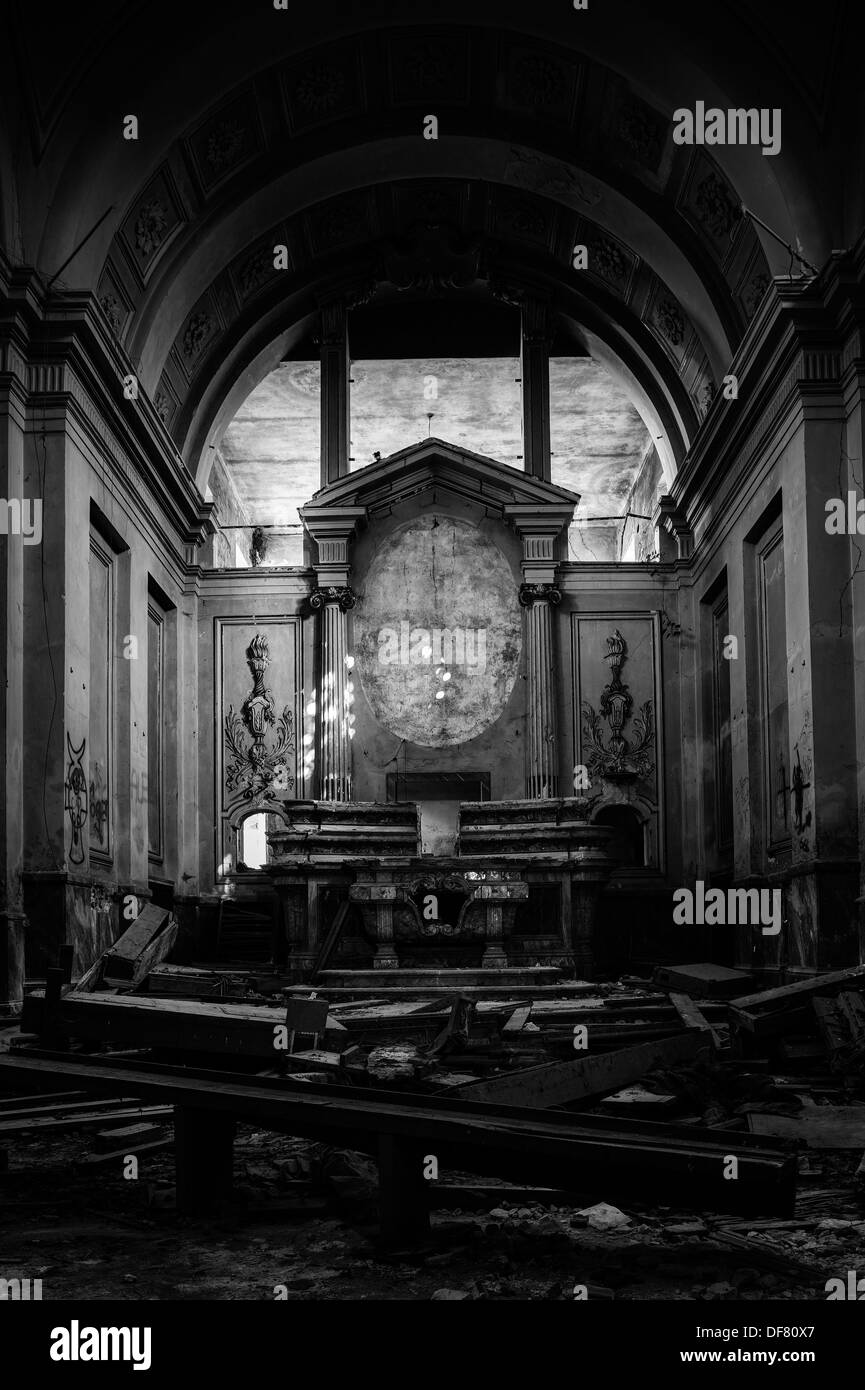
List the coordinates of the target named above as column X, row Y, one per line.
column 608, row 753
column 256, row 770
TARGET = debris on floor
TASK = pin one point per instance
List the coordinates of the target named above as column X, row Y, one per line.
column 637, row 1077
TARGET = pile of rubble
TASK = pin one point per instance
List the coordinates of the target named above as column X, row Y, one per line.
column 686, row 1109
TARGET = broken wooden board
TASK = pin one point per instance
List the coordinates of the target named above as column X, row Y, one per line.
column 146, row 943
column 518, row 1019
column 82, row 1119
column 316, row 1059
column 139, row 1150
column 559, row 1083
column 818, row 1126
column 457, row 1028
column 692, row 1017
column 767, row 1013
column 191, row 982
column 106, row 1140
column 702, row 979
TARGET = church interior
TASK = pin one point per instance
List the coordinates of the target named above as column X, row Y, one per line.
column 430, row 624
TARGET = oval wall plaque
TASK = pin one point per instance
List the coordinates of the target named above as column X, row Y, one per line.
column 438, row 632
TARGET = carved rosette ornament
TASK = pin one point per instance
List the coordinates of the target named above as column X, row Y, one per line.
column 618, row 759
column 255, row 767
column 539, row 593
column 344, row 597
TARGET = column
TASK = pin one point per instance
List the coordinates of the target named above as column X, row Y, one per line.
column 536, row 336
column 335, row 366
column 539, row 526
column 334, row 747
column 542, row 764
column 332, row 529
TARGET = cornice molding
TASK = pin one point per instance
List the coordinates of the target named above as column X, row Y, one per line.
column 59, row 349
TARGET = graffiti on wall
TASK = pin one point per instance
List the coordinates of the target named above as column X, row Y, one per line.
column 75, row 799
column 99, row 803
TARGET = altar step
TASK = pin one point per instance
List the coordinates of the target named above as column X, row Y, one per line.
column 435, row 977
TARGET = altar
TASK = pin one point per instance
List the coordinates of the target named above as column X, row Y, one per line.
column 518, row 892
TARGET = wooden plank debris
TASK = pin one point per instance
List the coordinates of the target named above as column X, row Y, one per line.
column 817, row 1126
column 146, row 943
column 85, row 1119
column 766, row 1013
column 139, row 1150
column 105, row 1140
column 714, row 981
column 560, row 1083
column 637, row 1100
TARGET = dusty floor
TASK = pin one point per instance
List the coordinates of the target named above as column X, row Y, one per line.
column 89, row 1234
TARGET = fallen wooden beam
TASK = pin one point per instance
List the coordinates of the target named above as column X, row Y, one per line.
column 817, row 1126
column 559, row 1083
column 613, row 1158
column 186, row 1025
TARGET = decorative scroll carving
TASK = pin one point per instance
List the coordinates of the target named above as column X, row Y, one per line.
column 254, row 767
column 75, row 801
column 619, row 759
column 539, row 593
column 346, row 598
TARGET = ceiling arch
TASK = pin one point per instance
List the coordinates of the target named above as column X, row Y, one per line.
column 173, row 68
column 555, row 128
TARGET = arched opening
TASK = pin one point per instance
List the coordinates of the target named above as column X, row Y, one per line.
column 627, row 845
column 252, row 851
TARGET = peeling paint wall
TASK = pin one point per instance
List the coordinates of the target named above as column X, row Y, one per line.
column 453, row 570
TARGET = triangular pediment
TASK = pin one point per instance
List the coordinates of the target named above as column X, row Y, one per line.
column 434, row 463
